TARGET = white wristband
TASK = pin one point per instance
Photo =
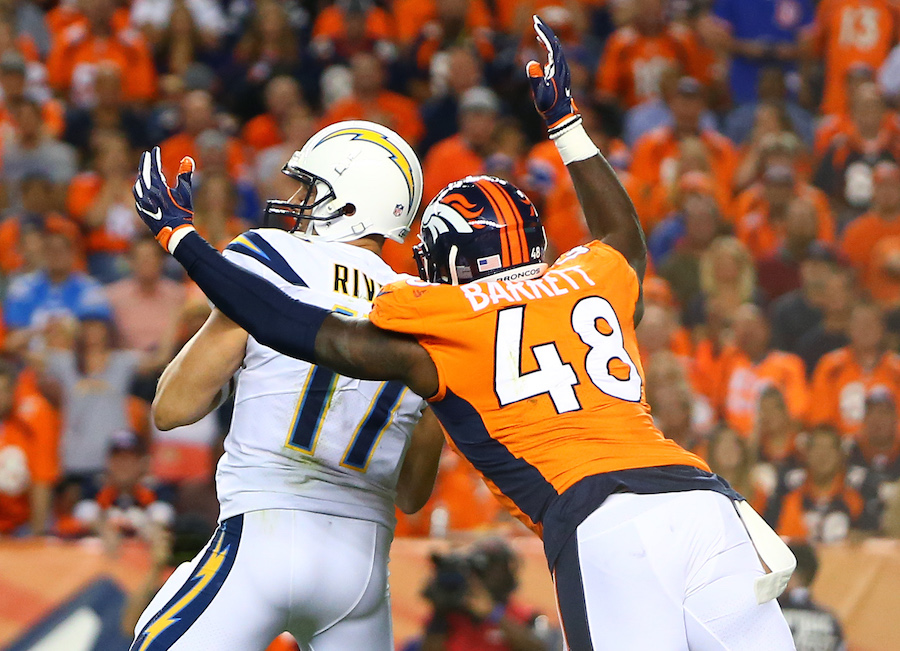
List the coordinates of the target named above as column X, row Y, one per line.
column 177, row 236
column 574, row 144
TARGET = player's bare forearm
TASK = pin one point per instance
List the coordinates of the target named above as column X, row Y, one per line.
column 608, row 210
column 357, row 348
column 191, row 385
column 420, row 465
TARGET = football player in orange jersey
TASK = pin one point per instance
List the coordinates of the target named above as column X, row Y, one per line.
column 534, row 372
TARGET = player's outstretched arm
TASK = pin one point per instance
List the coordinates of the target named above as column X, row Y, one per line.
column 608, row 210
column 351, row 347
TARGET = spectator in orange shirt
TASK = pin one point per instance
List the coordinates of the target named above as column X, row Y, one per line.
column 881, row 223
column 762, row 229
column 847, row 33
column 635, row 56
column 36, row 216
column 109, row 112
column 411, row 16
column 348, row 27
column 370, row 101
column 72, row 62
column 750, row 366
column 830, row 126
column 197, row 116
column 844, row 376
column 655, row 152
column 101, row 201
column 283, row 97
column 28, row 466
column 825, row 507
column 872, row 135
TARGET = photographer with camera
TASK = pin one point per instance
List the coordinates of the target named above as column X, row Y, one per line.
column 472, row 605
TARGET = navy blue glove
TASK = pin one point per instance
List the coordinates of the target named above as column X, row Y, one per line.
column 551, row 84
column 163, row 209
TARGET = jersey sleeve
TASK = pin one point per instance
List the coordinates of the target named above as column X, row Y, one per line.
column 395, row 308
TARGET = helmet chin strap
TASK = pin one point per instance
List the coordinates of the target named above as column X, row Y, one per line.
column 454, row 279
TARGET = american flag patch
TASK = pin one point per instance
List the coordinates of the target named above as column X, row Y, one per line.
column 489, row 263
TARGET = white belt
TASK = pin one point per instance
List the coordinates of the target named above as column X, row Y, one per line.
column 771, row 549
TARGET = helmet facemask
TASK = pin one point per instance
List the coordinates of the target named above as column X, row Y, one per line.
column 319, row 192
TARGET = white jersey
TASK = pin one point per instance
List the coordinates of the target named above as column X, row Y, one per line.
column 301, row 436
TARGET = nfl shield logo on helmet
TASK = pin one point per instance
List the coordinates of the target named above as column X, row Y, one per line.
column 398, row 210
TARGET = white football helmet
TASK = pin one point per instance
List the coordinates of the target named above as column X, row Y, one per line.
column 360, row 179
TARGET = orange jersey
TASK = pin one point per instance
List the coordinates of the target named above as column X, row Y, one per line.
column 849, row 33
column 262, row 132
column 861, row 237
column 73, row 60
column 393, row 110
column 743, row 383
column 331, row 23
column 840, row 386
column 541, row 386
column 656, row 154
column 632, row 63
column 15, row 450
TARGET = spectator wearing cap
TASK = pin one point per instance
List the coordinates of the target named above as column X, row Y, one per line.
column 881, row 224
column 758, row 34
column 763, row 227
column 283, row 98
column 28, row 466
column 843, row 377
column 831, row 332
column 452, row 73
column 750, row 365
column 127, row 502
column 109, row 112
column 18, row 231
column 85, row 45
column 655, row 111
column 636, row 54
column 197, row 116
column 56, row 292
column 14, row 84
column 780, row 272
column 800, row 310
column 773, row 93
column 872, row 135
column 656, row 151
column 828, row 41
column 812, row 626
column 875, row 454
column 825, row 507
column 145, row 305
column 33, row 151
column 371, row 101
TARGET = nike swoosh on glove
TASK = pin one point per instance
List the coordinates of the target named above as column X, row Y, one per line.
column 551, row 84
column 164, row 210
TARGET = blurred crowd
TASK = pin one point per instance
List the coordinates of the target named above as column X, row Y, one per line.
column 759, row 140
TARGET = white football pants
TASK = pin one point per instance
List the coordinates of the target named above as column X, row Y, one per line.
column 321, row 578
column 665, row 572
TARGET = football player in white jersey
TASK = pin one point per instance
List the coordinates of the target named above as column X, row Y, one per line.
column 314, row 462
